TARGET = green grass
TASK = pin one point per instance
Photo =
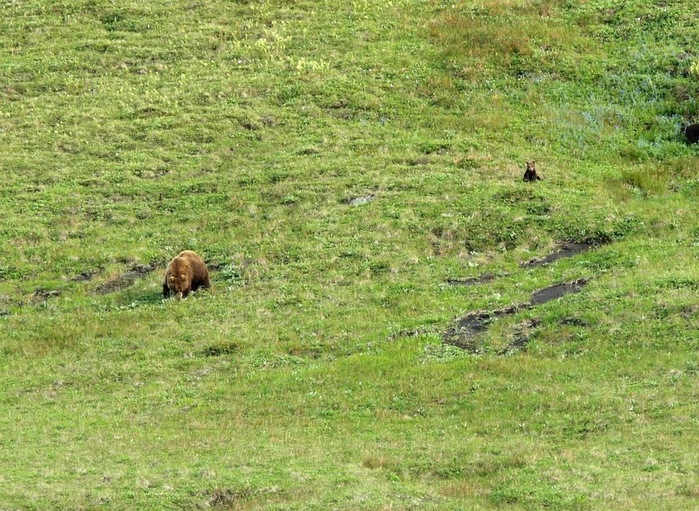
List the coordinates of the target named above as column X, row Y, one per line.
column 314, row 374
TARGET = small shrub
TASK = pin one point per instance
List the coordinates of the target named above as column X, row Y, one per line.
column 232, row 275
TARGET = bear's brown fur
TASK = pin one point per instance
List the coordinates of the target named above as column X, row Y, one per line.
column 186, row 272
column 530, row 174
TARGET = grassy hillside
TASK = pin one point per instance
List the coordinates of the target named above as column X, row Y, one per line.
column 345, row 168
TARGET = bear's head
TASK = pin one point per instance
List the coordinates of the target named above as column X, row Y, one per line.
column 179, row 284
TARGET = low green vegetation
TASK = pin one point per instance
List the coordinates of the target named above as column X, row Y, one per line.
column 345, row 168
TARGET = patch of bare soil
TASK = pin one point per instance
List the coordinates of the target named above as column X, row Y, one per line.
column 565, row 250
column 217, row 350
column 574, row 322
column 226, row 498
column 557, row 291
column 359, row 201
column 85, row 276
column 41, row 294
column 464, row 334
column 521, row 337
column 472, row 281
column 125, row 280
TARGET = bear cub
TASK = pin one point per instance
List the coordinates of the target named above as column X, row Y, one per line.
column 692, row 133
column 186, row 272
column 530, row 174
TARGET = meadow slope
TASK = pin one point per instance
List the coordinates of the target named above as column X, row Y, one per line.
column 351, row 172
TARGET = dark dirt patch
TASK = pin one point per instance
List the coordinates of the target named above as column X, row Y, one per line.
column 218, row 350
column 574, row 322
column 85, row 276
column 472, row 281
column 226, row 497
column 557, row 291
column 359, row 201
column 475, row 322
column 41, row 294
column 413, row 332
column 125, row 279
column 521, row 336
column 463, row 334
column 565, row 250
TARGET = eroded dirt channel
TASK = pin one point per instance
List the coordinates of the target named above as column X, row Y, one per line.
column 125, row 280
column 564, row 251
column 464, row 332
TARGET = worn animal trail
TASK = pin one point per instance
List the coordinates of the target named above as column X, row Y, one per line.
column 125, row 280
column 564, row 251
column 556, row 291
column 472, row 281
column 463, row 333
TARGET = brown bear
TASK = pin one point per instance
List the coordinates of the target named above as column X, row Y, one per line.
column 530, row 174
column 186, row 272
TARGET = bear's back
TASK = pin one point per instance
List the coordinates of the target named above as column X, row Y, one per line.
column 191, row 261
